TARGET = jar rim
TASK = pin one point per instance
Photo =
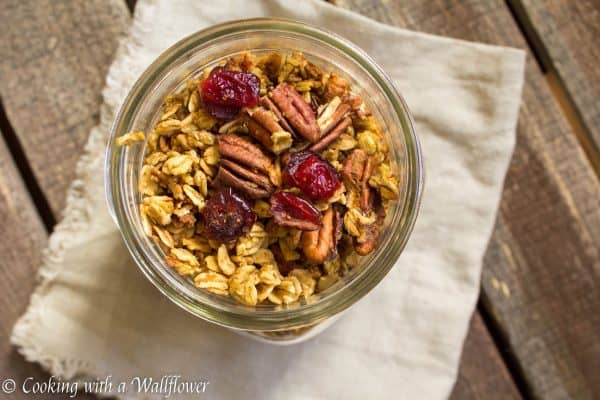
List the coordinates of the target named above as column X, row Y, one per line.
column 249, row 318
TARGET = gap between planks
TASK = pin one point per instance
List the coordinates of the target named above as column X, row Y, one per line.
column 36, row 193
column 130, row 5
column 508, row 358
column 556, row 83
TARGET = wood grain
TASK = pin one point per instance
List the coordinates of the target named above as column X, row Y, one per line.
column 53, row 59
column 541, row 273
column 482, row 373
column 23, row 237
column 54, row 56
column 567, row 34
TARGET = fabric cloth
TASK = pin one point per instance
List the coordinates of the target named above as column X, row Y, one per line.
column 95, row 315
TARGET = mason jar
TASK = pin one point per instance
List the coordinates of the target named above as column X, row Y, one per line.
column 186, row 59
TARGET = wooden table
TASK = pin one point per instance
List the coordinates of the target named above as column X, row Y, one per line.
column 536, row 330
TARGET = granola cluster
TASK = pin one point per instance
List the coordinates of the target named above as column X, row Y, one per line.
column 308, row 168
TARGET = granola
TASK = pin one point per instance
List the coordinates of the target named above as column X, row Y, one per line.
column 265, row 179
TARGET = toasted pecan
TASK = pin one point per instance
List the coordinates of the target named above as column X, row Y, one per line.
column 326, row 140
column 257, row 131
column 236, row 148
column 365, row 189
column 317, row 245
column 298, row 113
column 260, row 180
column 253, row 190
column 267, row 103
column 332, row 114
column 244, row 166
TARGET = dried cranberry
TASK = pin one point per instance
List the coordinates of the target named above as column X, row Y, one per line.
column 227, row 215
column 225, row 92
column 293, row 211
column 221, row 112
column 312, row 174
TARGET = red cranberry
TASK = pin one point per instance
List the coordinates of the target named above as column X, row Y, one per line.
column 293, row 211
column 312, row 174
column 227, row 215
column 225, row 92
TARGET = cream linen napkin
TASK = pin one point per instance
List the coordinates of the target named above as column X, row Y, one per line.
column 95, row 315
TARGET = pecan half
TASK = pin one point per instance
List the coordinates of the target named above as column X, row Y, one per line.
column 338, row 226
column 256, row 130
column 243, row 166
column 236, row 148
column 317, row 245
column 262, row 124
column 267, row 103
column 253, row 190
column 334, row 134
column 331, row 115
column 261, row 180
column 365, row 190
column 298, row 113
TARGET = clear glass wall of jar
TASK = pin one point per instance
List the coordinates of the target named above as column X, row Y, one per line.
column 186, row 59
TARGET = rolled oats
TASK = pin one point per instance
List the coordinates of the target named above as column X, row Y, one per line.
column 264, row 256
column 212, row 263
column 196, row 243
column 164, row 236
column 196, row 198
column 225, row 264
column 367, row 141
column 183, row 261
column 287, row 292
column 282, row 140
column 213, row 282
column 301, row 107
column 242, row 285
column 178, row 164
column 263, row 291
column 129, row 138
column 269, row 275
column 158, row 208
column 149, row 180
column 307, row 281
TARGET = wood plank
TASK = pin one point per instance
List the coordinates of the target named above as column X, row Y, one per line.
column 482, row 374
column 542, row 269
column 23, row 238
column 566, row 34
column 53, row 61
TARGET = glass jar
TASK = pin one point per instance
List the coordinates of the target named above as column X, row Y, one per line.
column 187, row 59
